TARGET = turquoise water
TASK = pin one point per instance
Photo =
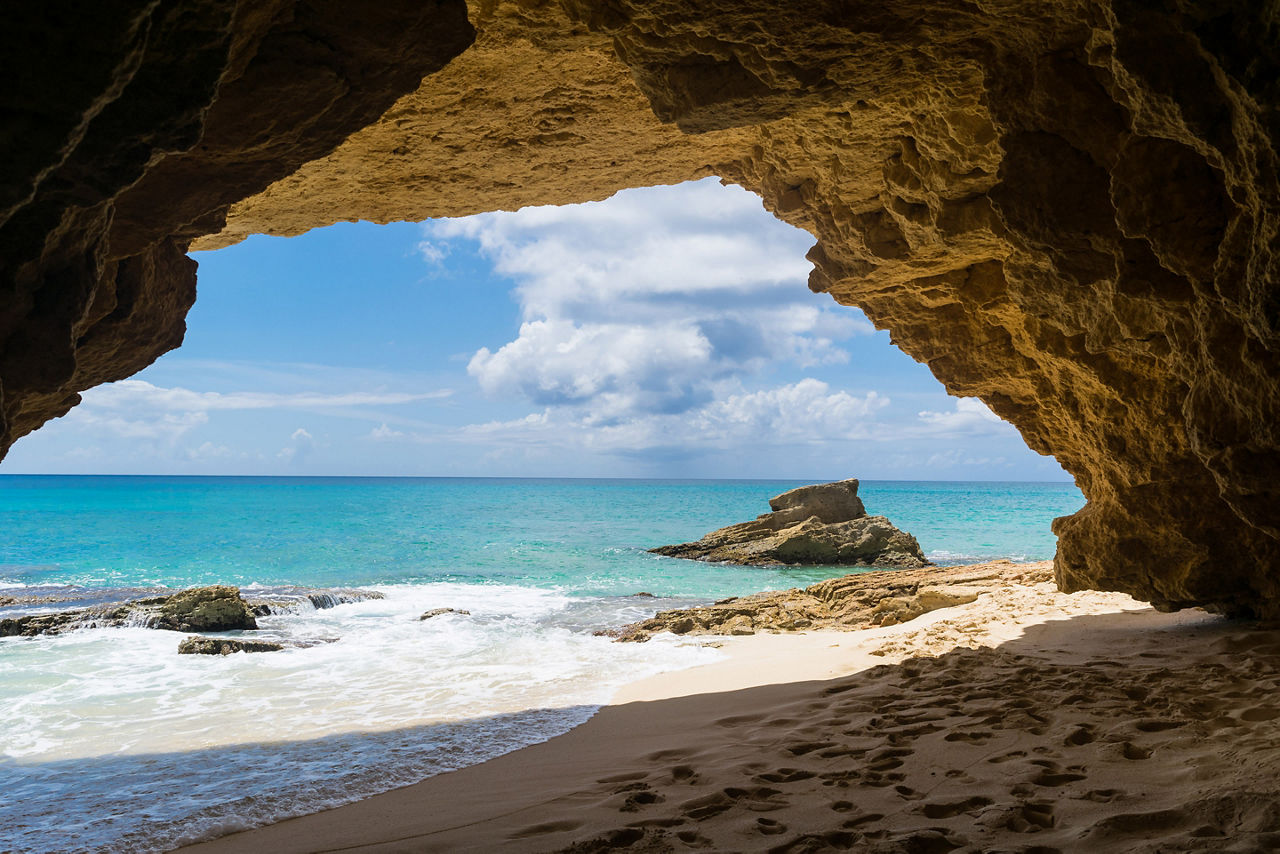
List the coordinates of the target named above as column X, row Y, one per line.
column 584, row 537
column 112, row 741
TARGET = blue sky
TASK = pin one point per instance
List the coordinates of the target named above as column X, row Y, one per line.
column 665, row 332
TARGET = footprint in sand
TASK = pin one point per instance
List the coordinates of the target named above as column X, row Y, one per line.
column 760, row 799
column 769, row 827
column 786, row 775
column 545, row 828
column 951, row 809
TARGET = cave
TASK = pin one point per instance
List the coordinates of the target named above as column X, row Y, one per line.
column 1070, row 211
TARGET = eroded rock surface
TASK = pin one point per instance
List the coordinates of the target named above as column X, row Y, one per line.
column 224, row 646
column 1069, row 210
column 879, row 598
column 821, row 524
column 219, row 608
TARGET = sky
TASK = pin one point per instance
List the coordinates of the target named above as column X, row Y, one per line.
column 664, row 332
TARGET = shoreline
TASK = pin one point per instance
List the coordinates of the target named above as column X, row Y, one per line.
column 1025, row 717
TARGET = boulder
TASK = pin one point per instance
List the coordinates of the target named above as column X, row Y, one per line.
column 224, row 646
column 205, row 609
column 824, row 524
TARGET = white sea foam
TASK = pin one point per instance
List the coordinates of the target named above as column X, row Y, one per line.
column 112, row 740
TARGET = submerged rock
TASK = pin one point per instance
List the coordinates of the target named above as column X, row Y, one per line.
column 436, row 612
column 821, row 524
column 295, row 600
column 224, row 646
column 851, row 602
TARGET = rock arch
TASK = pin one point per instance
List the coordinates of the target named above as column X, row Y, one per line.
column 1067, row 209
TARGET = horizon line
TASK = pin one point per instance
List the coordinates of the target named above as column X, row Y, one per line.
column 517, row 477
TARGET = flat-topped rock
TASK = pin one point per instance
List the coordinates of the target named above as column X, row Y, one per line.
column 224, row 646
column 823, row 524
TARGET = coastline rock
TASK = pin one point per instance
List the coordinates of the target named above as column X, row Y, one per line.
column 851, row 602
column 204, row 609
column 436, row 612
column 224, row 646
column 823, row 524
column 218, row 608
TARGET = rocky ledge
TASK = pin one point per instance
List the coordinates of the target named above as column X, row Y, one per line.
column 821, row 524
column 224, row 646
column 851, row 602
column 218, row 608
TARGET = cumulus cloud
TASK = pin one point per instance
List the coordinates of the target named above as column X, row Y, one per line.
column 970, row 416
column 807, row 411
column 647, row 302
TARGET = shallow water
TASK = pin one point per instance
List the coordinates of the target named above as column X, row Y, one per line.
column 112, row 740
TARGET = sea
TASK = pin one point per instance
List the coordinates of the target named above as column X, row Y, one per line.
column 111, row 741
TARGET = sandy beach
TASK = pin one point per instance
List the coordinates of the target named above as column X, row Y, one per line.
column 1025, row 721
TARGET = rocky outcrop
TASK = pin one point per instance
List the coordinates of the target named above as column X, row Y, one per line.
column 224, row 646
column 219, row 608
column 847, row 603
column 1067, row 209
column 824, row 524
column 203, row 609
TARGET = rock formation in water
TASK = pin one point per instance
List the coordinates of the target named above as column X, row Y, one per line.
column 1070, row 210
column 820, row 524
column 219, row 608
column 197, row 645
column 851, row 602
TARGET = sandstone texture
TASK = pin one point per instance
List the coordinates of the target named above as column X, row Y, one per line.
column 1070, row 210
column 820, row 524
column 880, row 598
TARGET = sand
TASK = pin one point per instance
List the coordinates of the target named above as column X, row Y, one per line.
column 1027, row 721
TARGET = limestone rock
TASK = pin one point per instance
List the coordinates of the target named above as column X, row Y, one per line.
column 224, row 646
column 1069, row 209
column 205, row 609
column 822, row 524
column 851, row 602
column 201, row 609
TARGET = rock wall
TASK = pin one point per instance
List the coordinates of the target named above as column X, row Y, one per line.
column 1067, row 209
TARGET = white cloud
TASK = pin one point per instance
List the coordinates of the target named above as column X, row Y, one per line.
column 383, row 433
column 136, row 394
column 803, row 412
column 168, row 426
column 300, row 448
column 969, row 417
column 433, row 252
column 647, row 302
